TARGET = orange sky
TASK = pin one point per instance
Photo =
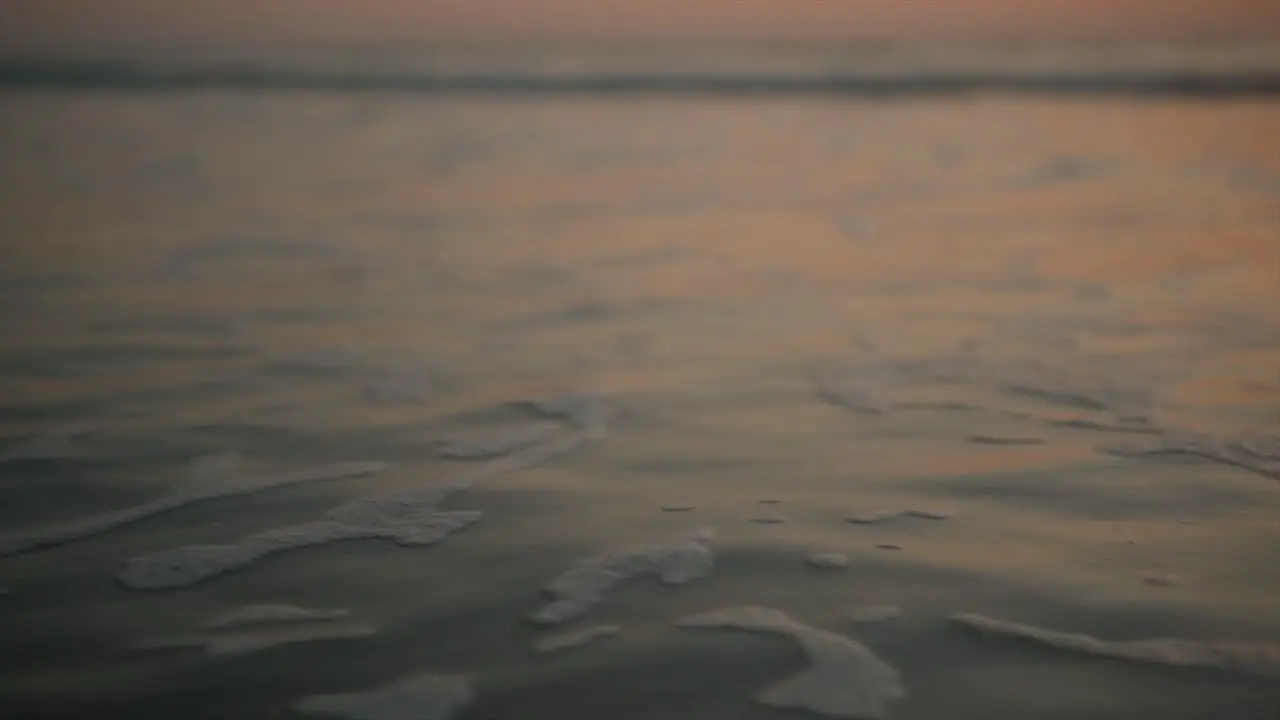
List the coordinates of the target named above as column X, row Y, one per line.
column 71, row 23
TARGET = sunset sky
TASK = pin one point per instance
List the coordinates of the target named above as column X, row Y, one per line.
column 72, row 24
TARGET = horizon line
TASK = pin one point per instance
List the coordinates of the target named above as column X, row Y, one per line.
column 69, row 76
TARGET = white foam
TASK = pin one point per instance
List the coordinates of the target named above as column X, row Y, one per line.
column 584, row 585
column 210, row 478
column 875, row 613
column 422, row 697
column 411, row 518
column 266, row 614
column 401, row 520
column 844, row 679
column 575, row 638
column 1253, row 659
column 484, row 443
column 238, row 643
column 829, row 561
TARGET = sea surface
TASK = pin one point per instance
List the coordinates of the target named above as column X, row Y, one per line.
column 1049, row 326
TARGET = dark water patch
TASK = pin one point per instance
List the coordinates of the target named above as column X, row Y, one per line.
column 685, row 465
column 283, row 444
column 856, row 229
column 248, row 435
column 294, row 316
column 612, row 157
column 328, row 360
column 1055, row 397
column 939, row 406
column 246, row 248
column 541, row 275
column 180, row 325
column 32, row 493
column 57, row 650
column 457, row 155
column 1065, row 170
column 52, row 411
column 1255, row 179
column 421, row 225
column 155, row 401
column 1002, row 440
column 89, row 358
column 683, row 677
column 1092, row 492
column 588, row 313
column 23, row 287
column 649, row 257
column 583, row 312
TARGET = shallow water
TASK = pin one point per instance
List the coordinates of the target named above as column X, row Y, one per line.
column 185, row 274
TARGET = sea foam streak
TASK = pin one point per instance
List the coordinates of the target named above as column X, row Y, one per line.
column 252, row 628
column 410, row 517
column 267, row 614
column 485, row 443
column 584, row 585
column 571, row 639
column 1243, row 453
column 1252, row 659
column 245, row 642
column 211, row 477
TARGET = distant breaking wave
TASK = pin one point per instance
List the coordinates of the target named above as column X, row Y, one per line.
column 1154, row 83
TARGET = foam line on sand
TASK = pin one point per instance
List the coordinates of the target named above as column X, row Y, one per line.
column 844, row 679
column 1245, row 658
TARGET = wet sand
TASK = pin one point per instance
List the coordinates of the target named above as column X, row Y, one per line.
column 314, row 280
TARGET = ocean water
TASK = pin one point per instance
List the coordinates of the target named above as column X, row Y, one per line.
column 1048, row 325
